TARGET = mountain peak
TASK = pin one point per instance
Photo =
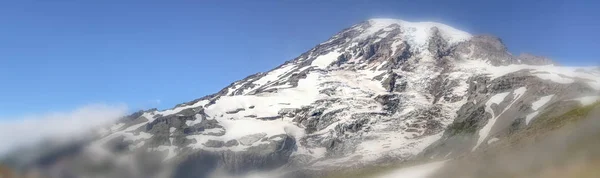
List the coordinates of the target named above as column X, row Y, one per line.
column 384, row 89
column 416, row 37
column 419, row 30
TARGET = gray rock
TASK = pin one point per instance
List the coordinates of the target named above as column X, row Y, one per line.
column 261, row 157
column 269, row 118
column 231, row 143
column 235, row 111
column 214, row 143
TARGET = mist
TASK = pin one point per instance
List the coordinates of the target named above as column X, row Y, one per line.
column 571, row 151
column 31, row 129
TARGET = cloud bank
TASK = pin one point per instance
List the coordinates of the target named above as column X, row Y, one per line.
column 21, row 131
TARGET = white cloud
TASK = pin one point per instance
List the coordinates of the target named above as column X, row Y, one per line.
column 33, row 128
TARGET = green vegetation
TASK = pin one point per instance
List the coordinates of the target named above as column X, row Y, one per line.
column 464, row 128
column 564, row 146
column 364, row 172
column 545, row 124
column 579, row 158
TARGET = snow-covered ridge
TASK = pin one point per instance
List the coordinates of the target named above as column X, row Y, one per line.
column 382, row 88
column 416, row 33
column 558, row 74
column 252, row 103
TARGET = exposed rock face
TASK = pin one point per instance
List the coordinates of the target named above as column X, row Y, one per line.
column 382, row 90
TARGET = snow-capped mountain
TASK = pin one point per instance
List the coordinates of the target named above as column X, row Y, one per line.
column 380, row 91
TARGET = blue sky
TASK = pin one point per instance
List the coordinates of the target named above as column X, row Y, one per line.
column 63, row 54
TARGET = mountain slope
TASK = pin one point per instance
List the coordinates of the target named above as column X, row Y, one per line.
column 381, row 91
column 553, row 146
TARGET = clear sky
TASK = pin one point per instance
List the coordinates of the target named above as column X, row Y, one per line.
column 57, row 55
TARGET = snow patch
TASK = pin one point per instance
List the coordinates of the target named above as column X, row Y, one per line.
column 541, row 102
column 325, row 60
column 273, row 75
column 558, row 74
column 170, row 151
column 395, row 46
column 485, row 131
column 395, row 142
column 530, row 117
column 181, row 108
column 496, row 99
column 194, row 122
column 492, row 140
column 117, row 127
column 213, row 131
column 554, row 78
